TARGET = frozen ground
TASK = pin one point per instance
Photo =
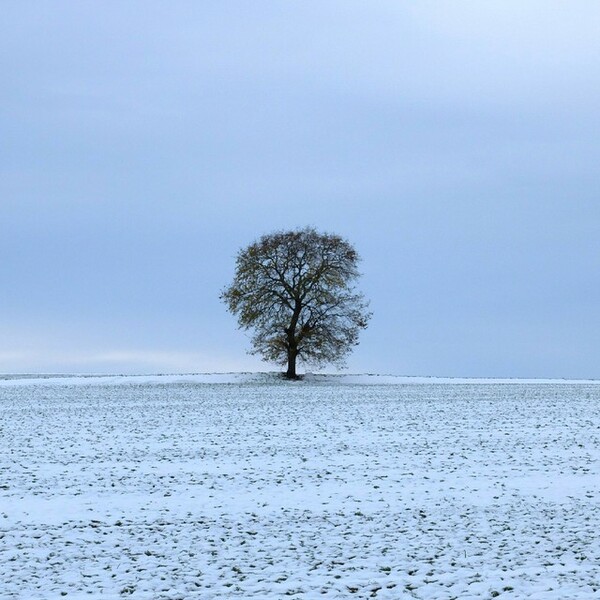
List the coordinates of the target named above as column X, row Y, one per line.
column 242, row 487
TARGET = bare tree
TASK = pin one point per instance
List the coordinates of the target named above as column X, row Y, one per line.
column 295, row 290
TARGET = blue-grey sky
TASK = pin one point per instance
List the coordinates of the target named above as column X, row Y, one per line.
column 456, row 144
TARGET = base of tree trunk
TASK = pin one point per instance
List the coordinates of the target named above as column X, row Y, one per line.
column 291, row 376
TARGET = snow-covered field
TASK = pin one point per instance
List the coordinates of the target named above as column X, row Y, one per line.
column 246, row 487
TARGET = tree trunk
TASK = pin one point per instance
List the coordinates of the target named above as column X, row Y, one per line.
column 291, row 370
column 292, row 341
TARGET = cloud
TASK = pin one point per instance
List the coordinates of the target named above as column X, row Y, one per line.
column 124, row 361
column 149, row 361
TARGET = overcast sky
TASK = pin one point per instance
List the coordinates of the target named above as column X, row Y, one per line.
column 455, row 144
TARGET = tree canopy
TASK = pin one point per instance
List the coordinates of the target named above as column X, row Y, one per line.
column 296, row 291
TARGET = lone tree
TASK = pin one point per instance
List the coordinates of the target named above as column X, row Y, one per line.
column 295, row 290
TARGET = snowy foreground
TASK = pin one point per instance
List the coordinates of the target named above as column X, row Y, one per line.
column 249, row 487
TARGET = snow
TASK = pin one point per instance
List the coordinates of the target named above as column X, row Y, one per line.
column 266, row 378
column 243, row 485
